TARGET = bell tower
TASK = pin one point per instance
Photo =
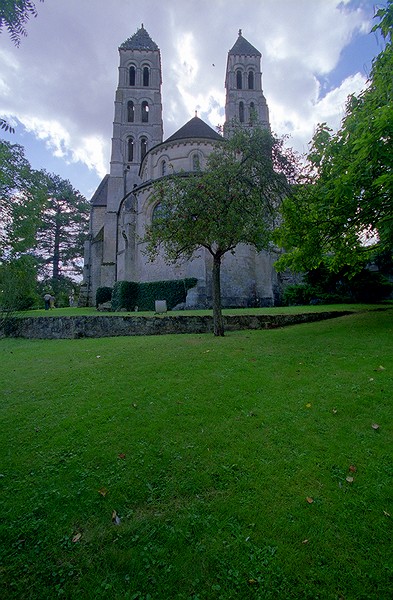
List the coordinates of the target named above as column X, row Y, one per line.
column 245, row 103
column 137, row 127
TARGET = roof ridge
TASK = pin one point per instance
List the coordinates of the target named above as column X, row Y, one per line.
column 194, row 128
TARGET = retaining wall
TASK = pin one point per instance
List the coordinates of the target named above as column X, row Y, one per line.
column 109, row 326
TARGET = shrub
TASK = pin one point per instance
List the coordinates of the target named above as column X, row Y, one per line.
column 103, row 294
column 174, row 292
column 334, row 288
column 124, row 295
column 297, row 294
column 369, row 286
column 128, row 294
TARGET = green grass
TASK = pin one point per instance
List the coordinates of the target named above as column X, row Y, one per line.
column 207, row 449
column 91, row 311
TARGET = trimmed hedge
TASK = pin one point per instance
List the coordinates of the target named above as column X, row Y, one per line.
column 125, row 295
column 128, row 294
column 103, row 294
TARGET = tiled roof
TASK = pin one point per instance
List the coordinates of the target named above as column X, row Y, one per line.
column 100, row 195
column 141, row 40
column 243, row 47
column 195, row 128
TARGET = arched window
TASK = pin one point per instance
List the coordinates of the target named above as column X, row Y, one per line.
column 143, row 147
column 196, row 162
column 145, row 112
column 146, row 76
column 239, row 85
column 251, row 80
column 132, row 75
column 163, row 168
column 253, row 113
column 130, row 111
column 158, row 212
column 241, row 112
column 130, row 149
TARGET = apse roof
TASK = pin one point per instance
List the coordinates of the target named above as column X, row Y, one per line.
column 242, row 46
column 195, row 128
column 141, row 40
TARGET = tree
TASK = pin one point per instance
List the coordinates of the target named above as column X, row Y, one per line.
column 343, row 212
column 62, row 229
column 43, row 222
column 14, row 15
column 233, row 201
column 20, row 201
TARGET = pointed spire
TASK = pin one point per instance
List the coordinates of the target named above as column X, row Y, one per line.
column 141, row 40
column 243, row 47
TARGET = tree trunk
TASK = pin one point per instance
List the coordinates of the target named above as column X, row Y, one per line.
column 217, row 312
column 56, row 249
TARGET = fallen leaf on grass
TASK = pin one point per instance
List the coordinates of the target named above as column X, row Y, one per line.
column 349, row 479
column 115, row 518
column 76, row 537
column 309, row 500
column 103, row 491
column 380, row 368
column 334, row 411
column 352, row 468
column 375, row 426
column 122, row 455
column 308, row 405
column 135, row 405
column 305, row 542
column 386, row 513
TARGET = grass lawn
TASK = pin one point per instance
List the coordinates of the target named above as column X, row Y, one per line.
column 276, row 310
column 191, row 467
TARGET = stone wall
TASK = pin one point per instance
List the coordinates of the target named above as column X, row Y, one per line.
column 108, row 326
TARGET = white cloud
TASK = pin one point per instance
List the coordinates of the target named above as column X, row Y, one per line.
column 61, row 82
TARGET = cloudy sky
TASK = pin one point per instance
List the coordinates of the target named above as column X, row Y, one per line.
column 58, row 87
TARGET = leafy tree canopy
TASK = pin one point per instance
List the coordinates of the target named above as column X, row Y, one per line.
column 343, row 211
column 41, row 215
column 233, row 200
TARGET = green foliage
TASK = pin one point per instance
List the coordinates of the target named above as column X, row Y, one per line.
column 326, row 287
column 20, row 201
column 6, row 126
column 344, row 208
column 129, row 295
column 42, row 216
column 62, row 228
column 234, row 200
column 103, row 294
column 14, row 15
column 297, row 295
column 124, row 295
column 18, row 284
column 61, row 288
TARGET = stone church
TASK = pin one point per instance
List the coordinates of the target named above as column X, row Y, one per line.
column 120, row 207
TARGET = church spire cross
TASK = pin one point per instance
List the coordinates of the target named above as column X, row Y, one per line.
column 240, row 31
